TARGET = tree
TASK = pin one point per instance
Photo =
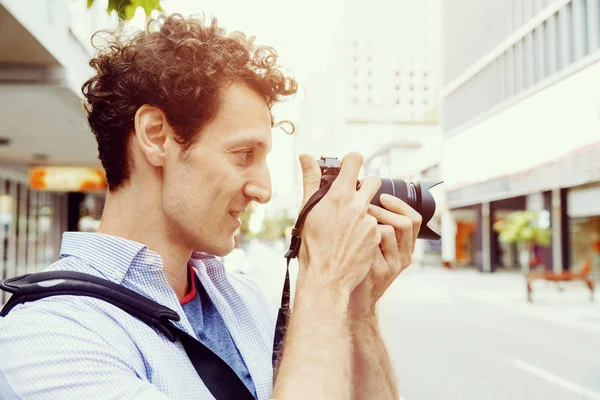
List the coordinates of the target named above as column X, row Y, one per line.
column 521, row 227
column 126, row 8
column 245, row 218
column 274, row 226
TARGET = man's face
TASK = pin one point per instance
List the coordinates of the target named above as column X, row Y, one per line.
column 226, row 169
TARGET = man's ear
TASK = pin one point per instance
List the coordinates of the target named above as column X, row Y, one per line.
column 151, row 133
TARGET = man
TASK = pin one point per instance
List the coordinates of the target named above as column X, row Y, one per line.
column 182, row 117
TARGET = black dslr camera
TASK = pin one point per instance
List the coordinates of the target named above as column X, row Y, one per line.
column 415, row 194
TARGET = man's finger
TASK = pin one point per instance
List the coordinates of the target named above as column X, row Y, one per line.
column 369, row 187
column 311, row 176
column 389, row 246
column 348, row 176
column 397, row 206
column 404, row 226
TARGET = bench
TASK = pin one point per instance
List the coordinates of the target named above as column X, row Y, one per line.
column 564, row 276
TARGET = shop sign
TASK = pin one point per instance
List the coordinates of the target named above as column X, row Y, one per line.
column 67, row 179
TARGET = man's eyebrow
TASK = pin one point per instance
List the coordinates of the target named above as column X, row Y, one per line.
column 250, row 142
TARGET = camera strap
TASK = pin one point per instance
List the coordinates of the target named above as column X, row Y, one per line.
column 296, row 241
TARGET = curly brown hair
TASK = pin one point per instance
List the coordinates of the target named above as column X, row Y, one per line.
column 178, row 64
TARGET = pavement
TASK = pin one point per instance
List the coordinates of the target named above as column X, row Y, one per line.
column 463, row 335
column 466, row 335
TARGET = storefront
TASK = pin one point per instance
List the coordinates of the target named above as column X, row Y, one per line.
column 466, row 238
column 584, row 226
column 32, row 223
column 36, row 209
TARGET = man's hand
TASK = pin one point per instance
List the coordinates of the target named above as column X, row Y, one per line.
column 339, row 243
column 339, row 237
column 399, row 228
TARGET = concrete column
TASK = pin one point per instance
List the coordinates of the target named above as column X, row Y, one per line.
column 493, row 238
column 486, row 237
column 448, row 238
column 565, row 231
column 556, row 224
column 548, row 252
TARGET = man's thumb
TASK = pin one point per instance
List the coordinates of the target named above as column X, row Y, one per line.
column 311, row 175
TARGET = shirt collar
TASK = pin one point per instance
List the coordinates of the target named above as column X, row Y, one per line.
column 201, row 255
column 110, row 255
column 212, row 264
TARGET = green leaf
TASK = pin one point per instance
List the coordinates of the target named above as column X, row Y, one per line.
column 148, row 5
column 126, row 8
column 90, row 3
column 129, row 12
column 499, row 225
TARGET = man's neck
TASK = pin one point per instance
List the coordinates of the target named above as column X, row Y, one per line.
column 137, row 215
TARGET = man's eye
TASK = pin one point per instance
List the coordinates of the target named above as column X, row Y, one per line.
column 247, row 156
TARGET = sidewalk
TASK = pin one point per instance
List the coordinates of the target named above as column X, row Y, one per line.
column 507, row 290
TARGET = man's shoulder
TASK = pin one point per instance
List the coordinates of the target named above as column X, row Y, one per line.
column 65, row 311
column 71, row 263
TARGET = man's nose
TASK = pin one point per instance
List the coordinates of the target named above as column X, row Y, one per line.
column 260, row 189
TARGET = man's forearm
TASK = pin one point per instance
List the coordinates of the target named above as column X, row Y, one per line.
column 317, row 350
column 372, row 373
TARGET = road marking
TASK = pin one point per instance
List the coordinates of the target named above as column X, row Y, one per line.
column 557, row 380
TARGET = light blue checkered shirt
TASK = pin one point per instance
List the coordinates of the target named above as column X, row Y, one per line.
column 69, row 347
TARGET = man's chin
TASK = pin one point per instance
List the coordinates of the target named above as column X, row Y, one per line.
column 222, row 249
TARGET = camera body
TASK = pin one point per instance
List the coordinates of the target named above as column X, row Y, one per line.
column 415, row 194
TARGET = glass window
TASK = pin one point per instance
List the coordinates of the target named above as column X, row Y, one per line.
column 551, row 45
column 593, row 24
column 527, row 60
column 565, row 37
column 58, row 215
column 517, row 8
column 539, row 62
column 8, row 210
column 5, row 220
column 584, row 240
column 579, row 24
column 21, row 229
column 518, row 67
column 527, row 10
column 44, row 230
column 32, row 261
column 509, row 71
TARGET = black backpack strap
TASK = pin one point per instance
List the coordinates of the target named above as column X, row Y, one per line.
column 217, row 375
column 31, row 287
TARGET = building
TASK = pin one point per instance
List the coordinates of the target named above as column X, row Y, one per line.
column 392, row 54
column 378, row 94
column 521, row 122
column 44, row 58
column 391, row 76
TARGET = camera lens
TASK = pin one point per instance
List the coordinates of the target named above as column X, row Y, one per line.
column 416, row 195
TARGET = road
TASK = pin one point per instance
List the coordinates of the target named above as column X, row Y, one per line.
column 461, row 335
column 451, row 341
